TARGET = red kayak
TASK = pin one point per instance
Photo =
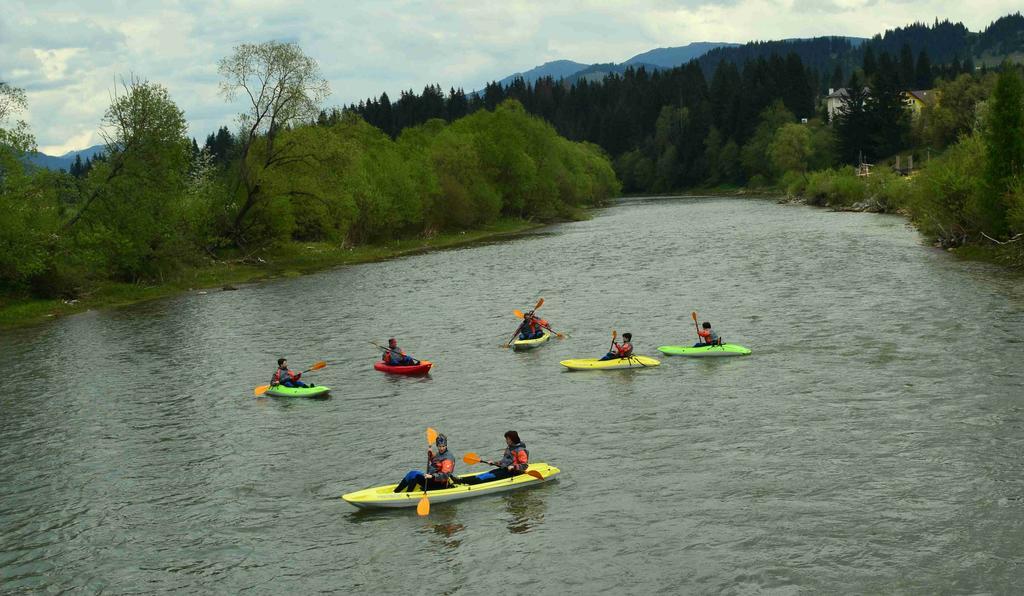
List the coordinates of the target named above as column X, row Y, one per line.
column 414, row 369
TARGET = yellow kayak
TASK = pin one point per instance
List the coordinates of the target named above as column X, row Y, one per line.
column 383, row 497
column 615, row 363
column 529, row 344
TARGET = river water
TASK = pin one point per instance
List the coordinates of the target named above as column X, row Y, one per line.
column 872, row 443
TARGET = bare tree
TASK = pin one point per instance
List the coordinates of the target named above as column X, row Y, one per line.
column 283, row 87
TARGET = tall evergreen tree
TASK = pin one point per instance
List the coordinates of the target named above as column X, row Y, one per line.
column 869, row 64
column 852, row 121
column 1004, row 147
column 923, row 71
column 889, row 120
column 907, row 73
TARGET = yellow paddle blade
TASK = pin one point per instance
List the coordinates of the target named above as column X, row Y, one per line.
column 423, row 507
column 535, row 474
column 318, row 365
column 540, row 303
column 260, row 390
column 471, row 458
column 518, row 313
column 614, row 334
column 431, row 435
column 694, row 315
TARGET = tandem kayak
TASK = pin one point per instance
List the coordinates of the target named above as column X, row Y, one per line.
column 380, row 497
column 413, row 369
column 615, row 363
column 282, row 391
column 705, row 351
column 529, row 344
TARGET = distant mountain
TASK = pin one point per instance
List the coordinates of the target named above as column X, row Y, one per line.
column 670, row 57
column 595, row 72
column 63, row 162
column 653, row 60
column 559, row 69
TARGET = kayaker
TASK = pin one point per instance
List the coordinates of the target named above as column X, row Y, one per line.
column 283, row 376
column 532, row 326
column 440, row 469
column 515, row 461
column 708, row 337
column 623, row 350
column 394, row 356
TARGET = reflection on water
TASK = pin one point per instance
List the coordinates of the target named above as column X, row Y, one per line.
column 526, row 509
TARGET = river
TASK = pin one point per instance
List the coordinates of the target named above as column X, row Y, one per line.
column 872, row 443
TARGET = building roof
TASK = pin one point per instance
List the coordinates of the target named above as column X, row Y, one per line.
column 842, row 93
column 926, row 96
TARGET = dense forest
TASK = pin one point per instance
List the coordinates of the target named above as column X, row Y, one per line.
column 156, row 202
column 710, row 122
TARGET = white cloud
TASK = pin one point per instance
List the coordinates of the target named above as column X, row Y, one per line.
column 69, row 55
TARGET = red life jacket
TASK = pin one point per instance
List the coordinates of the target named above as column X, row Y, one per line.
column 624, row 350
column 284, row 376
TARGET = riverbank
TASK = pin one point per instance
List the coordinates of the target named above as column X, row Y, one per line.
column 291, row 260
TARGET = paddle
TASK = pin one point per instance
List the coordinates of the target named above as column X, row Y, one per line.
column 380, row 347
column 423, row 507
column 519, row 314
column 693, row 315
column 472, row 458
column 263, row 388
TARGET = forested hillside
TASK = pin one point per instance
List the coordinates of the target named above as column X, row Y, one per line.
column 155, row 203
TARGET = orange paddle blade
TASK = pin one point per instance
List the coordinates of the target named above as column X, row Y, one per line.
column 535, row 474
column 260, row 390
column 431, row 435
column 423, row 507
column 518, row 313
column 318, row 365
column 540, row 303
column 614, row 334
column 694, row 315
column 471, row 458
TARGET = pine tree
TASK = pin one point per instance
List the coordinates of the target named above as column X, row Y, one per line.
column 869, row 64
column 907, row 74
column 852, row 121
column 1004, row 147
column 836, row 81
column 923, row 71
column 888, row 118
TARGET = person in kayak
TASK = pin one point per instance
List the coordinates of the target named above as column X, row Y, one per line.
column 283, row 376
column 514, row 462
column 708, row 337
column 440, row 469
column 623, row 350
column 394, row 356
column 532, row 326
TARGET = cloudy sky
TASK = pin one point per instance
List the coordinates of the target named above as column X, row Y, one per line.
column 68, row 56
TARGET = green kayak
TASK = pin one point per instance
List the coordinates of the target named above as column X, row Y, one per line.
column 705, row 351
column 282, row 391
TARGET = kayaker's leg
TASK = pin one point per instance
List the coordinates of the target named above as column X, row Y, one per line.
column 608, row 356
column 410, row 481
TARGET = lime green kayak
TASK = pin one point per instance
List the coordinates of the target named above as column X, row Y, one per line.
column 705, row 351
column 529, row 344
column 282, row 391
column 615, row 363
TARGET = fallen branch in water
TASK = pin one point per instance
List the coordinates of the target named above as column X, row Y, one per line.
column 1010, row 241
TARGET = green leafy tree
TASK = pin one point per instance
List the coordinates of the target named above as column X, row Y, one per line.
column 755, row 155
column 790, row 150
column 283, row 87
column 131, row 214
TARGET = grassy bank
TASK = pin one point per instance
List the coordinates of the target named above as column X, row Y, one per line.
column 290, row 260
